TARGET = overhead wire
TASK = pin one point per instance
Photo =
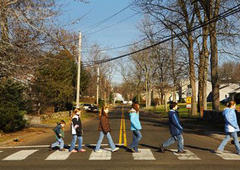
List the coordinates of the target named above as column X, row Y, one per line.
column 108, row 18
column 109, row 26
column 219, row 17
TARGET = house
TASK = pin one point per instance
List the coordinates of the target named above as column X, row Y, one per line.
column 225, row 90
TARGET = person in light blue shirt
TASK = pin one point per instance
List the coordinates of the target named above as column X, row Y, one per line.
column 231, row 127
column 135, row 127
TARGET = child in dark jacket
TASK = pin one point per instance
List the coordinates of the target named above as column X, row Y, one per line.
column 104, row 128
column 77, row 132
column 59, row 135
column 175, row 128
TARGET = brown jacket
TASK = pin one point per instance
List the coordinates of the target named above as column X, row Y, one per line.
column 104, row 124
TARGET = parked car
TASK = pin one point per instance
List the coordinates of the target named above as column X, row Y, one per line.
column 93, row 108
column 86, row 107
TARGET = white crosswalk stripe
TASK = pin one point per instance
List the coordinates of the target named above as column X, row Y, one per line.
column 144, row 154
column 185, row 156
column 106, row 154
column 59, row 155
column 226, row 155
column 20, row 155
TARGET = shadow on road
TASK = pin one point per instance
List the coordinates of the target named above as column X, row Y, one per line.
column 199, row 148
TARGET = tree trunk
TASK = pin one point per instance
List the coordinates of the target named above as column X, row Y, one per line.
column 165, row 102
column 203, row 69
column 192, row 76
column 3, row 22
column 146, row 86
column 213, row 12
column 206, row 58
column 200, row 82
column 214, row 71
column 173, row 69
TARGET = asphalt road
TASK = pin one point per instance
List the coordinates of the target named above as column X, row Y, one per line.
column 155, row 131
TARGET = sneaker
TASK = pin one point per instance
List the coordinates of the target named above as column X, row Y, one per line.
column 73, row 151
column 98, row 151
column 82, row 150
column 50, row 148
column 181, row 152
column 162, row 149
column 116, row 149
column 218, row 151
column 131, row 150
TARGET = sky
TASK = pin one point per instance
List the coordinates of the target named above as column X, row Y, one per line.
column 122, row 28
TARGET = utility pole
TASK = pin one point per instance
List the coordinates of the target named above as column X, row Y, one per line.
column 79, row 70
column 98, row 75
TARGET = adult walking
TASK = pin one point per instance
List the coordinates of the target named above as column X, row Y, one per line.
column 104, row 128
column 176, row 129
column 77, row 131
column 231, row 127
column 135, row 127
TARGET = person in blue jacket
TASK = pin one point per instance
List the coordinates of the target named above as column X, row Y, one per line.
column 135, row 127
column 231, row 127
column 59, row 133
column 176, row 129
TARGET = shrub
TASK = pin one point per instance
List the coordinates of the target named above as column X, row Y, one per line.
column 11, row 106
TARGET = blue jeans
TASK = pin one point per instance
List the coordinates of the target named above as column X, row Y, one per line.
column 137, row 136
column 227, row 138
column 172, row 140
column 74, row 139
column 110, row 141
column 59, row 143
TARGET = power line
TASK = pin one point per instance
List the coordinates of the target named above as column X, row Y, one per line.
column 104, row 28
column 219, row 17
column 110, row 17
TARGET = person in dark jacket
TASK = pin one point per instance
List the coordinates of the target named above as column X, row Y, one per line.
column 59, row 136
column 175, row 129
column 104, row 128
column 77, row 132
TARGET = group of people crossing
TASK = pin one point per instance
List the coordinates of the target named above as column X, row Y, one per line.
column 175, row 127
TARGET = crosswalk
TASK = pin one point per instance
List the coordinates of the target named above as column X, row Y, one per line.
column 20, row 155
column 59, row 155
column 144, row 154
column 186, row 156
column 106, row 154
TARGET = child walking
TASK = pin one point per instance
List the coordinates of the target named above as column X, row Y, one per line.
column 231, row 127
column 59, row 136
column 135, row 127
column 77, row 132
column 104, row 128
column 176, row 130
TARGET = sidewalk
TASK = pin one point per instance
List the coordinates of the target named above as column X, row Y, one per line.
column 29, row 134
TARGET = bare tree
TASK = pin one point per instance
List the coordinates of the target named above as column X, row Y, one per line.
column 176, row 16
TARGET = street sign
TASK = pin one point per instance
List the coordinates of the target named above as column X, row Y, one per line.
column 188, row 106
column 188, row 102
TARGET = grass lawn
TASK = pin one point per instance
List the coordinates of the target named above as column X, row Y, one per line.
column 183, row 111
column 52, row 120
